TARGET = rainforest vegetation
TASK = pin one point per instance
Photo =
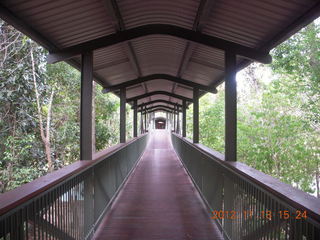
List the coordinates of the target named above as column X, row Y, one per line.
column 278, row 113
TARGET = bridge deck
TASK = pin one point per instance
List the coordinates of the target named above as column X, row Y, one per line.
column 159, row 200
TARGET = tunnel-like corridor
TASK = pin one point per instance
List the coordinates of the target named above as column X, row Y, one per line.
column 158, row 201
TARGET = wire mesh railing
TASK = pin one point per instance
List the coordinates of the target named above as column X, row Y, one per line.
column 246, row 203
column 72, row 207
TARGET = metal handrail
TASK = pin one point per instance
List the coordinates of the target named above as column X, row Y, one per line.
column 69, row 203
column 237, row 188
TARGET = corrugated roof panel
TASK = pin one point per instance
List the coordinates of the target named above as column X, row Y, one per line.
column 159, row 54
column 140, row 12
column 183, row 92
column 201, row 74
column 133, row 92
column 117, row 73
column 159, row 85
column 65, row 22
column 252, row 23
column 108, row 57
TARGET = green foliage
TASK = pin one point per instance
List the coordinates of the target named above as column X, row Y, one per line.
column 278, row 119
column 22, row 155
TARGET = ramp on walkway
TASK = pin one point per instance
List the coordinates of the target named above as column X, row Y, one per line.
column 158, row 201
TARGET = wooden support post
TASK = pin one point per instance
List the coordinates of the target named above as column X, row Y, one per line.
column 178, row 120
column 141, row 122
column 230, row 107
column 174, row 119
column 184, row 118
column 145, row 119
column 195, row 115
column 86, row 106
column 135, row 118
column 122, row 115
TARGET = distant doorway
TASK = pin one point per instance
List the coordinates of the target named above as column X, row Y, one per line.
column 160, row 123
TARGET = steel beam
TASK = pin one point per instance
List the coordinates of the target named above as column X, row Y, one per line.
column 151, row 29
column 122, row 115
column 160, row 76
column 86, row 106
column 195, row 115
column 230, row 107
column 159, row 93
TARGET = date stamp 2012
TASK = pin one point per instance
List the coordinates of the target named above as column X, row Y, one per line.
column 264, row 214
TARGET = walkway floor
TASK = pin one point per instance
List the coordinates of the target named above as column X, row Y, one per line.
column 159, row 201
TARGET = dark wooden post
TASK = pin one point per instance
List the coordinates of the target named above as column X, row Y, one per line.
column 145, row 118
column 86, row 106
column 230, row 107
column 184, row 118
column 135, row 119
column 141, row 121
column 195, row 115
column 167, row 120
column 122, row 115
column 178, row 120
column 174, row 119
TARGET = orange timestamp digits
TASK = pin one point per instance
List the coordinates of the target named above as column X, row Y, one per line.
column 264, row 214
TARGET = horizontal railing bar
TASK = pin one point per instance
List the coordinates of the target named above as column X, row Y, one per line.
column 18, row 196
column 285, row 192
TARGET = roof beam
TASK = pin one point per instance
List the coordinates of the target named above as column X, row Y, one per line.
column 150, row 29
column 203, row 14
column 159, row 101
column 160, row 76
column 117, row 20
column 149, row 94
column 160, row 109
column 159, row 106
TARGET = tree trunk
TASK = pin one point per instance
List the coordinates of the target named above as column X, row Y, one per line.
column 44, row 133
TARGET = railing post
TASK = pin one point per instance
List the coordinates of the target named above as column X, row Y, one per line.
column 230, row 107
column 184, row 118
column 135, row 119
column 195, row 115
column 122, row 115
column 86, row 106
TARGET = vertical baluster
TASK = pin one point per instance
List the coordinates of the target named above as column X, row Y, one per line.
column 45, row 199
column 73, row 207
column 68, row 209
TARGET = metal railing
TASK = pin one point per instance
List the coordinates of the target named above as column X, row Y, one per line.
column 246, row 203
column 68, row 203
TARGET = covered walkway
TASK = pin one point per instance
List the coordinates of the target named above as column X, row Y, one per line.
column 158, row 200
column 158, row 56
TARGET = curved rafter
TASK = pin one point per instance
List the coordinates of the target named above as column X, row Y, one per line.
column 159, row 76
column 158, row 106
column 149, row 94
column 165, row 29
column 160, row 109
column 159, row 101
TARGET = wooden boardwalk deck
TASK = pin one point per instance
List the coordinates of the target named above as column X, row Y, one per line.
column 158, row 201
